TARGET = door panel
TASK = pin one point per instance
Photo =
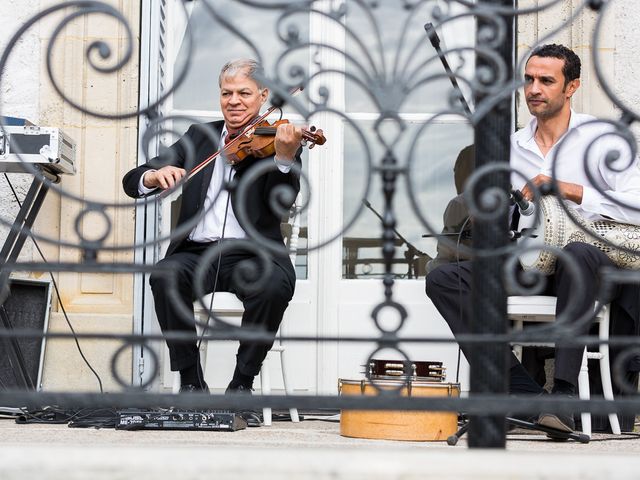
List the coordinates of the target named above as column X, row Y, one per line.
column 339, row 284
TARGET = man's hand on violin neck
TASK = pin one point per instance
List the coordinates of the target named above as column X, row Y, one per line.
column 288, row 140
column 164, row 178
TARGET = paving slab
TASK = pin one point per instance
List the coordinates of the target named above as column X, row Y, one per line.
column 305, row 450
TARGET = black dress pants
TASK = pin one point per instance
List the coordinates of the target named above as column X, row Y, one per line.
column 263, row 309
column 449, row 288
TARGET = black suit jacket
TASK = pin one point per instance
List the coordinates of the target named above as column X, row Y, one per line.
column 201, row 138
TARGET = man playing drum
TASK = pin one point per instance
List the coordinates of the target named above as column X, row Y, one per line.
column 555, row 142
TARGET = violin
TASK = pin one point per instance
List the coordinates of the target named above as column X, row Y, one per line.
column 259, row 141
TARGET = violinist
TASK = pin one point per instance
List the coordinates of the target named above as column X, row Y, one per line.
column 204, row 197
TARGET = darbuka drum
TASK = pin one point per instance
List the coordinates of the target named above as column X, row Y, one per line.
column 398, row 425
column 556, row 229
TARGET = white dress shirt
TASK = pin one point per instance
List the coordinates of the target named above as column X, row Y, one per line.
column 218, row 221
column 570, row 166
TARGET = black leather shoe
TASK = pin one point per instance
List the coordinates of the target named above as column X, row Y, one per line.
column 194, row 388
column 562, row 422
column 240, row 389
column 253, row 417
column 524, row 417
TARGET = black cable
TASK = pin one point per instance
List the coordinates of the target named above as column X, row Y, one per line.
column 50, row 414
column 85, row 417
column 215, row 282
column 55, row 286
column 92, row 419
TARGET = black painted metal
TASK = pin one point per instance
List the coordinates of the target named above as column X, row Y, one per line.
column 492, row 85
column 489, row 362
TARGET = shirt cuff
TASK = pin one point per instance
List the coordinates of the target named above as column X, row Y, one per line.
column 142, row 190
column 283, row 165
column 591, row 200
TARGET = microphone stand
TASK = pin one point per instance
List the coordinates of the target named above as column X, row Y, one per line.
column 411, row 252
column 464, row 235
column 435, row 41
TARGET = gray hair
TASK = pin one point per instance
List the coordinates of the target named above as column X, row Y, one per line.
column 243, row 66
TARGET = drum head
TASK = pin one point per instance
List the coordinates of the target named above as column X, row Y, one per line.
column 533, row 240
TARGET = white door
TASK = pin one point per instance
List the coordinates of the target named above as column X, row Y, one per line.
column 340, row 279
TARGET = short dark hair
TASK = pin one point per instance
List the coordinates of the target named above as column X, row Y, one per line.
column 571, row 68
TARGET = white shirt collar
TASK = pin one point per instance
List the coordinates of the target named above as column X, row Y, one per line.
column 526, row 135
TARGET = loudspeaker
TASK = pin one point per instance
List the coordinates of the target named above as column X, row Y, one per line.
column 27, row 307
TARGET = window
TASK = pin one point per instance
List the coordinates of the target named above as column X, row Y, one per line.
column 391, row 57
column 389, row 67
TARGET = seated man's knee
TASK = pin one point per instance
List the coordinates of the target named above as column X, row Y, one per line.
column 431, row 282
column 585, row 254
column 577, row 249
column 168, row 274
column 157, row 281
column 279, row 289
column 276, row 287
column 440, row 278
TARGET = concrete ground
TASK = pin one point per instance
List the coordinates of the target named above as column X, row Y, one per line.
column 305, row 450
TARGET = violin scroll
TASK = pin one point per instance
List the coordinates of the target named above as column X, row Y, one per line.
column 312, row 137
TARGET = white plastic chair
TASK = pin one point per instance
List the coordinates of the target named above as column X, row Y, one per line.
column 542, row 308
column 227, row 303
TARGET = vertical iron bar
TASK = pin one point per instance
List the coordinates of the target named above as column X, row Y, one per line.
column 389, row 177
column 489, row 360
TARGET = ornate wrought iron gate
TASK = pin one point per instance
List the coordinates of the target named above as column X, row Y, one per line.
column 389, row 81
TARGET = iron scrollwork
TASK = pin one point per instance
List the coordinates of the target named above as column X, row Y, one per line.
column 389, row 78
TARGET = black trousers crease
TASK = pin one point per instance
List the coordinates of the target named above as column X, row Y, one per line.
column 263, row 308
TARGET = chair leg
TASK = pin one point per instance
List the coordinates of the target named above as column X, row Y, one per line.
column 584, row 393
column 517, row 349
column 175, row 388
column 605, row 372
column 265, row 387
column 293, row 412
